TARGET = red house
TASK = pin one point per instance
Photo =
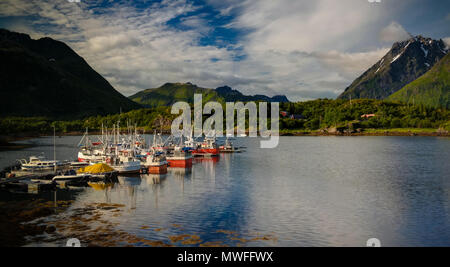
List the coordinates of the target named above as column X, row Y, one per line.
column 284, row 114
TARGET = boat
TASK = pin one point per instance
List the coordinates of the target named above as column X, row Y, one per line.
column 77, row 164
column 181, row 157
column 156, row 163
column 70, row 175
column 40, row 163
column 207, row 148
column 124, row 165
column 90, row 155
column 99, row 171
column 90, row 152
column 228, row 147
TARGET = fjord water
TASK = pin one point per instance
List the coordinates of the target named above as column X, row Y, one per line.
column 309, row 191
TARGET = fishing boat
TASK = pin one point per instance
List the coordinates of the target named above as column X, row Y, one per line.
column 228, row 147
column 156, row 163
column 124, row 165
column 90, row 152
column 207, row 148
column 70, row 175
column 99, row 171
column 77, row 164
column 181, row 157
column 40, row 163
column 90, row 155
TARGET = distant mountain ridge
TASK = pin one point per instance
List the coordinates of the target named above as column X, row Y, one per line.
column 232, row 95
column 46, row 77
column 432, row 89
column 404, row 63
column 170, row 93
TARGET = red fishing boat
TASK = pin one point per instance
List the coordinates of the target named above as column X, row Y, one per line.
column 206, row 148
column 156, row 163
column 181, row 157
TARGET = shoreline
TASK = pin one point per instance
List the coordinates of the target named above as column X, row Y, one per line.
column 387, row 133
column 7, row 142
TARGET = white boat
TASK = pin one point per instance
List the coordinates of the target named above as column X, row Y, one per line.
column 40, row 163
column 78, row 164
column 90, row 155
column 124, row 165
column 91, row 152
column 156, row 163
column 228, row 147
column 70, row 176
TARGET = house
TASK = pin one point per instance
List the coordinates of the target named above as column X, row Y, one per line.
column 297, row 117
column 284, row 114
column 368, row 116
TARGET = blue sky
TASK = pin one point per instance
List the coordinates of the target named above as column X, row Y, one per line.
column 303, row 49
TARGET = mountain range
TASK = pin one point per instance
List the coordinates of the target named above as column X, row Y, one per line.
column 46, row 77
column 404, row 63
column 170, row 93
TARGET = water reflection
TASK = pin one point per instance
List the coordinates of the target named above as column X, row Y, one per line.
column 308, row 191
column 153, row 179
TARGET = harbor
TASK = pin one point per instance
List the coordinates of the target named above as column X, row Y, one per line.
column 103, row 158
column 255, row 198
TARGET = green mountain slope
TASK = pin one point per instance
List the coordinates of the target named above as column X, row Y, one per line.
column 432, row 89
column 46, row 77
column 170, row 93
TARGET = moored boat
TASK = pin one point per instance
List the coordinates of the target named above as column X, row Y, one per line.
column 70, row 175
column 181, row 157
column 124, row 165
column 89, row 155
column 100, row 171
column 156, row 163
column 228, row 147
column 207, row 148
column 40, row 163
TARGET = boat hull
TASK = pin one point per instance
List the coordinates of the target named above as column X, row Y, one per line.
column 158, row 169
column 128, row 171
column 180, row 162
column 69, row 178
column 206, row 151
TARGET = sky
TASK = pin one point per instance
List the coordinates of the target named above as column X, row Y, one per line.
column 304, row 49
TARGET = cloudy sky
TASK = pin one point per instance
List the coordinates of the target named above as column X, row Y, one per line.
column 304, row 49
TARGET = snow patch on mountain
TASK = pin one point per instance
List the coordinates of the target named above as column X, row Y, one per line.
column 424, row 50
column 397, row 57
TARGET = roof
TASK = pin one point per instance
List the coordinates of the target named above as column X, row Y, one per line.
column 368, row 115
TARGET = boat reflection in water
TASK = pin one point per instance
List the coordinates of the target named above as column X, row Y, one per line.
column 180, row 172
column 153, row 179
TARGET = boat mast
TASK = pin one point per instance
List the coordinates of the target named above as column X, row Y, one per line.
column 54, row 147
column 87, row 137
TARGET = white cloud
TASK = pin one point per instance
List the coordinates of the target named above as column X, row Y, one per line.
column 308, row 46
column 447, row 42
column 349, row 64
column 110, row 42
column 305, row 49
column 394, row 32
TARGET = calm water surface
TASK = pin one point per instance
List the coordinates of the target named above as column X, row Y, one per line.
column 310, row 191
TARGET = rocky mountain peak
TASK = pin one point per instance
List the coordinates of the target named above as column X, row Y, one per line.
column 406, row 61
